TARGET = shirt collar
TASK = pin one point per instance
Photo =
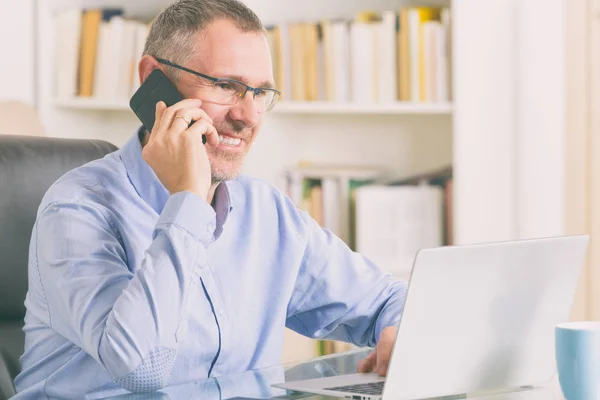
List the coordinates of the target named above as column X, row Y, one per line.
column 152, row 191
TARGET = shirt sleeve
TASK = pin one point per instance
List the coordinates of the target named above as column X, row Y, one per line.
column 127, row 322
column 340, row 294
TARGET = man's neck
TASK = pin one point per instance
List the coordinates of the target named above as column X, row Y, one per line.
column 211, row 194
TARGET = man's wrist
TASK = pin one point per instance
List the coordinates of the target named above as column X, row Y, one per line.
column 387, row 331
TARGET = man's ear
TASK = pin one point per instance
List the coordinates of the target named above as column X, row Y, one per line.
column 146, row 66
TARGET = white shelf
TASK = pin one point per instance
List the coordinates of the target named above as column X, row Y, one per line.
column 92, row 104
column 317, row 107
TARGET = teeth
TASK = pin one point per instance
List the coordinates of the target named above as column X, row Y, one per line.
column 229, row 140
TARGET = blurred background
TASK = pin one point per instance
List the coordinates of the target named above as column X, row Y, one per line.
column 404, row 123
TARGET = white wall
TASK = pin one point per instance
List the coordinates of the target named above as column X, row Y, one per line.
column 511, row 108
column 484, row 120
column 540, row 110
column 17, row 69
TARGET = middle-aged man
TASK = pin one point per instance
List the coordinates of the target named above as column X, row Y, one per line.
column 162, row 264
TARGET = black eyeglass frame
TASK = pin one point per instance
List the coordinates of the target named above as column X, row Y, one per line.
column 213, row 79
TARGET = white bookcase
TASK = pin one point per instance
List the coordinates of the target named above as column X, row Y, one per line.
column 290, row 107
column 503, row 131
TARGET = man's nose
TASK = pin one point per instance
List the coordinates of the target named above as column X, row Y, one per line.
column 246, row 110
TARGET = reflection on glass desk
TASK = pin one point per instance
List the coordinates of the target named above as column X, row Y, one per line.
column 256, row 384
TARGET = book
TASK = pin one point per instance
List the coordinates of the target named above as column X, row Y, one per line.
column 394, row 222
column 337, row 183
column 89, row 42
column 68, row 42
column 375, row 57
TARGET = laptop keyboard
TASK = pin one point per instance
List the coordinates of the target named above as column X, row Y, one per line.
column 361, row 388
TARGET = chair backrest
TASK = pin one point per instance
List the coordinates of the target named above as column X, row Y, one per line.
column 28, row 166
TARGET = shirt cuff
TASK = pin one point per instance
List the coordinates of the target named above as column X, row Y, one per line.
column 393, row 309
column 190, row 213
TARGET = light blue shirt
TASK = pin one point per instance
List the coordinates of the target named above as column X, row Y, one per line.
column 132, row 288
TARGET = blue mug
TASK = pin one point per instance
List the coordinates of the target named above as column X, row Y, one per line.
column 578, row 359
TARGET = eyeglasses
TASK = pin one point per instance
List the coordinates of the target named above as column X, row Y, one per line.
column 228, row 91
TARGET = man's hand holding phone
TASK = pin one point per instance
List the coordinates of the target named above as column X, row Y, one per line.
column 175, row 151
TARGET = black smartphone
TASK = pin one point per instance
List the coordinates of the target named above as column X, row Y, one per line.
column 157, row 87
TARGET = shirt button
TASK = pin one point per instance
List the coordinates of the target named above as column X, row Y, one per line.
column 221, row 312
column 210, row 228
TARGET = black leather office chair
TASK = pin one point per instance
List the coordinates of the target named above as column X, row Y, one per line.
column 28, row 166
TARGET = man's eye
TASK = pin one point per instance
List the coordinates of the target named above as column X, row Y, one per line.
column 260, row 93
column 225, row 86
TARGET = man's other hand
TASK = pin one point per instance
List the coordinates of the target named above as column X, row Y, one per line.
column 379, row 358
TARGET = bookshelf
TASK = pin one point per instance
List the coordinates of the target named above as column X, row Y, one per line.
column 289, row 107
column 502, row 132
column 398, row 108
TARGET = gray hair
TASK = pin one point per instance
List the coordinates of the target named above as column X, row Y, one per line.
column 173, row 32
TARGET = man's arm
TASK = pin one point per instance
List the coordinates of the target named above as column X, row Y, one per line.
column 126, row 322
column 340, row 294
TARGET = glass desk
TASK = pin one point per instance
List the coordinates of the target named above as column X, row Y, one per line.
column 256, row 384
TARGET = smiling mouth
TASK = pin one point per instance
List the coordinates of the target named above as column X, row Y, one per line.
column 230, row 140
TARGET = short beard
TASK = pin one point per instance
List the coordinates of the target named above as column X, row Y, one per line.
column 219, row 174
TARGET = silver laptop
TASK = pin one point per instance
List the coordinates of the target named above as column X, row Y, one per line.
column 477, row 318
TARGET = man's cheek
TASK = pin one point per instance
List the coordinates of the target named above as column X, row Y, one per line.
column 216, row 111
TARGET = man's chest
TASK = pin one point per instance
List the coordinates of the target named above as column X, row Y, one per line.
column 236, row 304
column 251, row 261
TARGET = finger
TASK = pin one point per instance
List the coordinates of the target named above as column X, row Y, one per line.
column 212, row 136
column 184, row 117
column 367, row 364
column 181, row 121
column 370, row 362
column 385, row 346
column 384, row 352
column 203, row 127
column 158, row 113
column 170, row 112
column 201, row 114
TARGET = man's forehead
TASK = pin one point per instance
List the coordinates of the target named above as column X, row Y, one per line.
column 232, row 53
column 224, row 33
